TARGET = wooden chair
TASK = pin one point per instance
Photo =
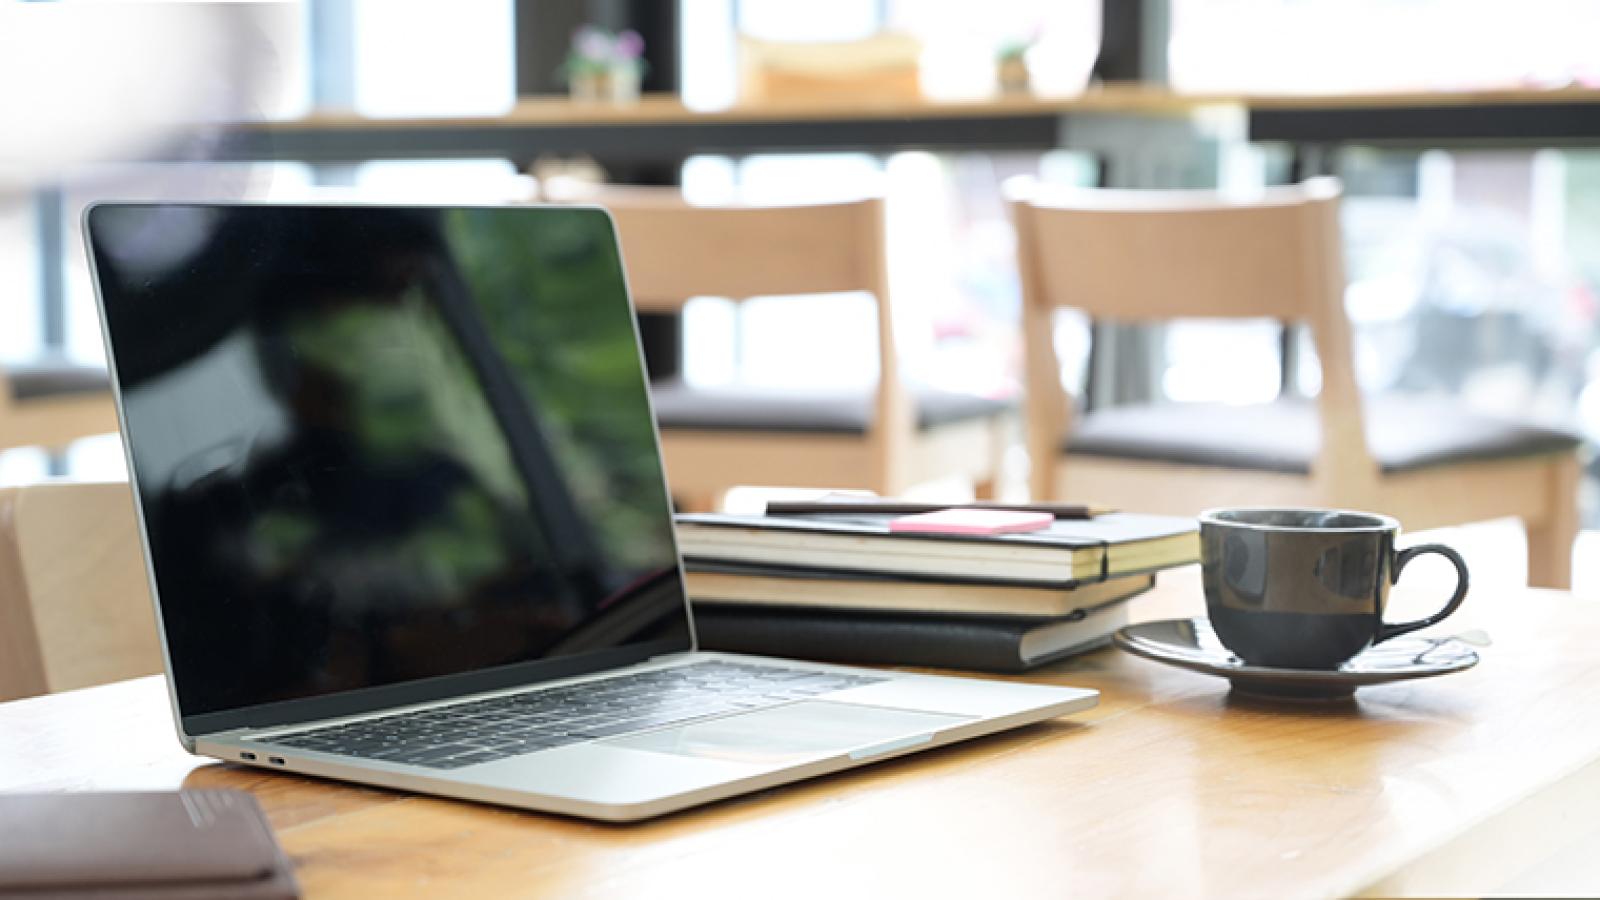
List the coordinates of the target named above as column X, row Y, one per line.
column 1139, row 256
column 50, row 404
column 75, row 605
column 886, row 439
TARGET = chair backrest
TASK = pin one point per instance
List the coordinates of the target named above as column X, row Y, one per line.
column 75, row 605
column 674, row 251
column 53, row 417
column 1148, row 255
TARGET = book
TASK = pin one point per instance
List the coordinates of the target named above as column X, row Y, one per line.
column 756, row 586
column 950, row 642
column 202, row 843
column 1068, row 553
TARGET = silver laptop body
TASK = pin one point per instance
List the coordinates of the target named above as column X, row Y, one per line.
column 406, row 524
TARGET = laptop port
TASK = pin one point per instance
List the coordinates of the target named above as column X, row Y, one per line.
column 275, row 760
column 247, row 755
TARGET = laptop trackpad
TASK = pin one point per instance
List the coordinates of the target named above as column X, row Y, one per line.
column 784, row 734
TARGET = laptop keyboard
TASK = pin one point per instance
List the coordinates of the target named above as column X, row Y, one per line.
column 464, row 734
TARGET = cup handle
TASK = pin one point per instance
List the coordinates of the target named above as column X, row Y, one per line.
column 1386, row 630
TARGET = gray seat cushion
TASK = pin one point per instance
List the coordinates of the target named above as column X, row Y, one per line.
column 1404, row 434
column 44, row 379
column 839, row 412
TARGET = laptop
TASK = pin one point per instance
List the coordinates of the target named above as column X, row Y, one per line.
column 406, row 522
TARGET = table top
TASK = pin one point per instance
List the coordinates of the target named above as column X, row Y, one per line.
column 1169, row 787
column 1479, row 97
column 661, row 128
column 667, row 109
column 1528, row 117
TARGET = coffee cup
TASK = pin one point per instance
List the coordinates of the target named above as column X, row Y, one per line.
column 1307, row 588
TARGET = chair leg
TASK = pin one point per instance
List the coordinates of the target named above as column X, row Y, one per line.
column 1000, row 437
column 1550, row 541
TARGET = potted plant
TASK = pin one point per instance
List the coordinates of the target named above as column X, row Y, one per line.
column 603, row 66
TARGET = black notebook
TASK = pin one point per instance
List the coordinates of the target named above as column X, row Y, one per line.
column 948, row 642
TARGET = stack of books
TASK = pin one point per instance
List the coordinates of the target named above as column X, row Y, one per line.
column 839, row 585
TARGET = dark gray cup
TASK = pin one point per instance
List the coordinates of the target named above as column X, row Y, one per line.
column 1306, row 588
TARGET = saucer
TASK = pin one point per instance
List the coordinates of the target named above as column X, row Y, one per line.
column 1191, row 644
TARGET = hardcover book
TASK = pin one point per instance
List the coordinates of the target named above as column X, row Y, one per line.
column 951, row 642
column 756, row 586
column 1068, row 553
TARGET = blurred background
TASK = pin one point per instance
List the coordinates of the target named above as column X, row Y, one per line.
column 1474, row 264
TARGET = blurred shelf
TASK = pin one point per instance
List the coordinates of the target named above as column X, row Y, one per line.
column 661, row 127
column 1522, row 117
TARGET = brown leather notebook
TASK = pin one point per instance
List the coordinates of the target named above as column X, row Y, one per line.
column 122, row 846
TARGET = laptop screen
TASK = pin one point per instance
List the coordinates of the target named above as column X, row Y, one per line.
column 385, row 453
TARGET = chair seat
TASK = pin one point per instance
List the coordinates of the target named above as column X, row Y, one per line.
column 1404, row 433
column 49, row 379
column 680, row 406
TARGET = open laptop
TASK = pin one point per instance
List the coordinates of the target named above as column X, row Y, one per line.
column 406, row 524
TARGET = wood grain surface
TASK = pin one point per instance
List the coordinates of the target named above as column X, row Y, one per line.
column 1170, row 787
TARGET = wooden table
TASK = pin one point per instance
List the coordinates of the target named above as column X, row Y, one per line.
column 1319, row 126
column 660, row 128
column 1525, row 117
column 1170, row 787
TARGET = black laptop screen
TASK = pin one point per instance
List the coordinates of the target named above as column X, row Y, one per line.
column 376, row 446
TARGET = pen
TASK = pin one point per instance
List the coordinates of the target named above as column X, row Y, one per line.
column 896, row 507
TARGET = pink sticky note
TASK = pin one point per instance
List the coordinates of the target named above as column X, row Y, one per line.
column 973, row 521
